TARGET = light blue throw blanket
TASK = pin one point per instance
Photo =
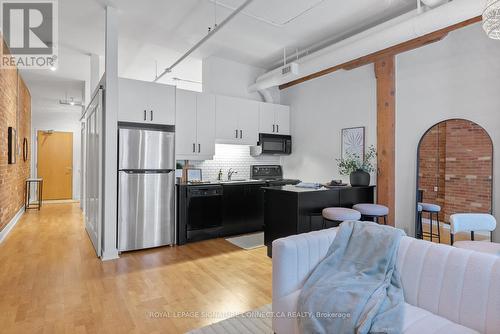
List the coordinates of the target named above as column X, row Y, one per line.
column 356, row 288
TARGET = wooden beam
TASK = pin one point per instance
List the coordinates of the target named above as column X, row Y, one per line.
column 382, row 54
column 385, row 70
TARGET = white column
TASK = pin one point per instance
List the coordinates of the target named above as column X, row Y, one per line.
column 95, row 76
column 86, row 92
column 110, row 129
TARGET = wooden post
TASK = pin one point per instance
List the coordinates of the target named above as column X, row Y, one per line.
column 386, row 135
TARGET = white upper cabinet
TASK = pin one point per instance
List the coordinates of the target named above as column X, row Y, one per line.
column 267, row 119
column 205, row 125
column 185, row 127
column 146, row 102
column 237, row 121
column 195, row 127
column 227, row 119
column 274, row 119
column 282, row 119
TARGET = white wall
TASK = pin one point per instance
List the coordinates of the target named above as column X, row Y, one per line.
column 64, row 122
column 320, row 109
column 458, row 77
column 226, row 77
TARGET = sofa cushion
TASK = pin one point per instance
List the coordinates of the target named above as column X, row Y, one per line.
column 479, row 246
column 416, row 319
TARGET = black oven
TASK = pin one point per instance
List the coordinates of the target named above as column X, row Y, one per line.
column 275, row 144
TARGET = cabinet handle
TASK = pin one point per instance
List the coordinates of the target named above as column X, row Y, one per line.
column 151, row 115
column 199, row 148
column 236, row 134
column 277, row 128
column 194, row 148
column 241, row 134
column 274, row 126
column 144, row 114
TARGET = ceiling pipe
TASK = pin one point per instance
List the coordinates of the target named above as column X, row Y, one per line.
column 388, row 34
column 266, row 95
column 204, row 39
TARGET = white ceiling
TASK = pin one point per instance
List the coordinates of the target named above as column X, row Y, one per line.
column 153, row 31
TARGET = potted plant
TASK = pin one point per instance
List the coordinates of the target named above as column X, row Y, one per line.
column 357, row 168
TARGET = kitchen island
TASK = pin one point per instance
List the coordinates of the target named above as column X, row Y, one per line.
column 290, row 210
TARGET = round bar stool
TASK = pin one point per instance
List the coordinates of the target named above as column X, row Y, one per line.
column 432, row 210
column 339, row 215
column 372, row 211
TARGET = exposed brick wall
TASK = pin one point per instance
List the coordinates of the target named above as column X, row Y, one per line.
column 456, row 156
column 12, row 177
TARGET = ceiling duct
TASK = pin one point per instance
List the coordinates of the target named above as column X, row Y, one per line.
column 399, row 30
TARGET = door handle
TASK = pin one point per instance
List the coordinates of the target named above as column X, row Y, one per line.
column 274, row 127
column 241, row 134
column 199, row 148
column 236, row 134
column 277, row 128
column 151, row 115
column 194, row 148
column 144, row 114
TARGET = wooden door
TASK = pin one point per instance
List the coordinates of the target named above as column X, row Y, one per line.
column 55, row 164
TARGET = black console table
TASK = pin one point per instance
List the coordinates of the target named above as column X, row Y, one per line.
column 290, row 210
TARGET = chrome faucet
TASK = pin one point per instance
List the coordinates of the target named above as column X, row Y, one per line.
column 230, row 173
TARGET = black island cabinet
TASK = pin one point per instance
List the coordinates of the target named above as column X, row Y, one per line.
column 290, row 210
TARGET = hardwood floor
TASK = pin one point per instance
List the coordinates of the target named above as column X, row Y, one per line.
column 445, row 234
column 52, row 282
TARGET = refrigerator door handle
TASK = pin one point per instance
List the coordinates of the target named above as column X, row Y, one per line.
column 145, row 114
column 151, row 115
column 199, row 148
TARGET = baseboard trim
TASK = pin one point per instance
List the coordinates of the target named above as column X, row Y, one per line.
column 110, row 255
column 6, row 230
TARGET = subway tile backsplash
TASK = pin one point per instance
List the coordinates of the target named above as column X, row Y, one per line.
column 236, row 157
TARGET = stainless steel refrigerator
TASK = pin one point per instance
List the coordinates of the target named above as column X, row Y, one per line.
column 146, row 187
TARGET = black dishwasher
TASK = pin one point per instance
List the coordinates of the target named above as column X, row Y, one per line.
column 203, row 212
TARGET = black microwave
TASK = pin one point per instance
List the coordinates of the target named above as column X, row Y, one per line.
column 275, row 144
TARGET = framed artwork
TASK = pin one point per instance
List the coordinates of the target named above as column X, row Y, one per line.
column 12, row 145
column 353, row 142
column 194, row 175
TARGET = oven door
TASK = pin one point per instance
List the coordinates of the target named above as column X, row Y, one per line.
column 275, row 144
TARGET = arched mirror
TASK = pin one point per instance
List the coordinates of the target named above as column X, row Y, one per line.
column 454, row 175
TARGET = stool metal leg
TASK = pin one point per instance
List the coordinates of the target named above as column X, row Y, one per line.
column 385, row 220
column 430, row 217
column 439, row 230
column 420, row 219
